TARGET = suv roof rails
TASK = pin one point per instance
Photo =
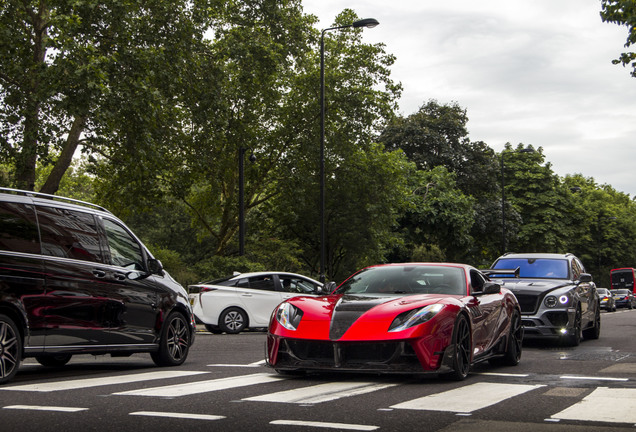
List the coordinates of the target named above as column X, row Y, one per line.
column 53, row 197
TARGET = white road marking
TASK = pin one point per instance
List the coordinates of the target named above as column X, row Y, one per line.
column 468, row 398
column 623, row 402
column 321, row 392
column 588, row 378
column 95, row 382
column 177, row 415
column 188, row 389
column 45, row 408
column 340, row 426
column 251, row 365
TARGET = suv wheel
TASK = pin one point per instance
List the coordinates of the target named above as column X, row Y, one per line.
column 10, row 349
column 574, row 338
column 174, row 343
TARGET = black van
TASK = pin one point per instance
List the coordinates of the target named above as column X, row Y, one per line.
column 75, row 280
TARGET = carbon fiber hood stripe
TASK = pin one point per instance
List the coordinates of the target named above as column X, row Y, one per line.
column 347, row 311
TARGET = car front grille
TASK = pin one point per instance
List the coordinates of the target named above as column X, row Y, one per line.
column 529, row 303
column 351, row 356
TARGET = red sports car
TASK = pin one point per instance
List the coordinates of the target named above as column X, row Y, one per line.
column 414, row 318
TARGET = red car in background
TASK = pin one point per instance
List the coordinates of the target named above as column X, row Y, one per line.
column 414, row 318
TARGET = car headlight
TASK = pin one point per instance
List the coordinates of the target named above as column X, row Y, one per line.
column 289, row 316
column 414, row 317
column 554, row 301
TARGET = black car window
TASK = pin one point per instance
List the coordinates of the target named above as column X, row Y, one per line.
column 69, row 234
column 18, row 229
column 576, row 269
column 124, row 249
column 477, row 281
column 265, row 283
column 297, row 285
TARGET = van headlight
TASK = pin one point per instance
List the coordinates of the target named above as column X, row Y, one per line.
column 289, row 316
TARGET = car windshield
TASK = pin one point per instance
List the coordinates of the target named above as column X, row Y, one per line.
column 621, row 291
column 406, row 279
column 548, row 268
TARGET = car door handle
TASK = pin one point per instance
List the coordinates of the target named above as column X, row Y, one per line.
column 119, row 276
column 246, row 295
column 99, row 273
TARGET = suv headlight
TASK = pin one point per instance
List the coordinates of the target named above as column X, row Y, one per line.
column 289, row 316
column 554, row 301
column 414, row 317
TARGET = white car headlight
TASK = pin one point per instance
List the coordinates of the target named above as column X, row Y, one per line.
column 289, row 316
column 415, row 317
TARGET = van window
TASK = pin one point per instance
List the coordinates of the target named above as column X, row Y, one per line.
column 18, row 230
column 69, row 234
column 124, row 249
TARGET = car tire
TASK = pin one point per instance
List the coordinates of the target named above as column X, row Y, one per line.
column 515, row 341
column 594, row 332
column 54, row 360
column 574, row 337
column 174, row 343
column 10, row 349
column 233, row 320
column 213, row 329
column 462, row 350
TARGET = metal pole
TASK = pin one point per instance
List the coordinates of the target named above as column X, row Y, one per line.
column 503, row 207
column 241, row 201
column 322, row 157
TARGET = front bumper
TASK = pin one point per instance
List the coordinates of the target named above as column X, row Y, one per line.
column 403, row 356
column 553, row 323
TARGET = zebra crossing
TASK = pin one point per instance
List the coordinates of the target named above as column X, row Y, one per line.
column 464, row 400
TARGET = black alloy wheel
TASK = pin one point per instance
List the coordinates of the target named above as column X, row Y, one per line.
column 594, row 332
column 515, row 341
column 574, row 337
column 10, row 349
column 463, row 350
column 174, row 343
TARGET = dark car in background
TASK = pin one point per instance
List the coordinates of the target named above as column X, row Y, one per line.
column 557, row 296
column 606, row 299
column 624, row 298
column 75, row 280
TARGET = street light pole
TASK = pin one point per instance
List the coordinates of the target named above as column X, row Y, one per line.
column 503, row 197
column 241, row 167
column 369, row 23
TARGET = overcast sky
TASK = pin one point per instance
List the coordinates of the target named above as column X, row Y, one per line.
column 535, row 71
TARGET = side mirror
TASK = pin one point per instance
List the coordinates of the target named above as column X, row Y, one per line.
column 585, row 277
column 490, row 288
column 329, row 287
column 155, row 266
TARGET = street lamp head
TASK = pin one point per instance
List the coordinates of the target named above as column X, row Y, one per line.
column 527, row 150
column 367, row 22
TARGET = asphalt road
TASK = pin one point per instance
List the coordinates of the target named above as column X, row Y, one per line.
column 225, row 386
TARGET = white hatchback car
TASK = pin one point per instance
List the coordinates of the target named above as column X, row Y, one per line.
column 235, row 303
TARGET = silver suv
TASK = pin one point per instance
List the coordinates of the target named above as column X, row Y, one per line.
column 557, row 296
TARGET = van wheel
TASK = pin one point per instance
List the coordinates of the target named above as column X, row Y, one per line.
column 174, row 343
column 54, row 360
column 10, row 349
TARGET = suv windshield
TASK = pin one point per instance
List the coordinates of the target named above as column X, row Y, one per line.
column 547, row 268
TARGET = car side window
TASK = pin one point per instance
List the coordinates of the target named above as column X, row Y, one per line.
column 18, row 229
column 124, row 249
column 477, row 281
column 265, row 283
column 297, row 285
column 69, row 234
column 576, row 269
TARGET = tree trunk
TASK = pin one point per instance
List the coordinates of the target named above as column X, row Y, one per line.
column 52, row 183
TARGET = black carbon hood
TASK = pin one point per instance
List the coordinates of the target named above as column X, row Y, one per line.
column 347, row 311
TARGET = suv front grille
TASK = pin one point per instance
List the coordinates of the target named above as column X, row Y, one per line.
column 529, row 303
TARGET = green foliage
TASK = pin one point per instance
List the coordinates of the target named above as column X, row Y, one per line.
column 622, row 12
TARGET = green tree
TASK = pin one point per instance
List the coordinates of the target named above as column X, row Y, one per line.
column 622, row 12
column 103, row 75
